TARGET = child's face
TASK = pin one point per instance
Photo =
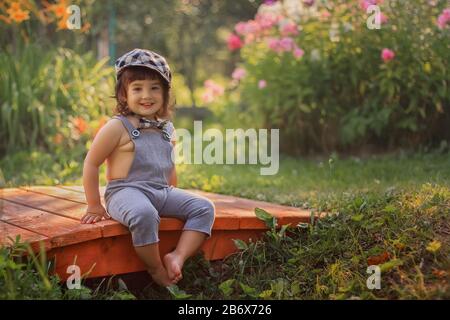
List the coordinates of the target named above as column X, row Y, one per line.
column 145, row 97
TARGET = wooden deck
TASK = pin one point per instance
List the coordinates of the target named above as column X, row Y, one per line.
column 51, row 215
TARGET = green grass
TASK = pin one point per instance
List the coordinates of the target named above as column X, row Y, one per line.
column 405, row 233
column 306, row 182
column 392, row 210
column 24, row 275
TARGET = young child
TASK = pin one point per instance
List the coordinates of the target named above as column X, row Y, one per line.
column 137, row 145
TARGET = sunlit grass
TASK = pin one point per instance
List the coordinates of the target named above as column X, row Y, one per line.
column 393, row 211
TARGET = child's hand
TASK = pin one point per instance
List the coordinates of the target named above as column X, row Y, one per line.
column 94, row 214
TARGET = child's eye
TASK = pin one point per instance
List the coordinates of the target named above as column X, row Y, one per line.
column 136, row 89
column 155, row 88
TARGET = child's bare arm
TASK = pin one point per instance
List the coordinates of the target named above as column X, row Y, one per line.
column 104, row 143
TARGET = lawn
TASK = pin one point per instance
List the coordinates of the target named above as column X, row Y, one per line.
column 391, row 211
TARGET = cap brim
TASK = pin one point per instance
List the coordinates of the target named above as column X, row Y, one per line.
column 140, row 65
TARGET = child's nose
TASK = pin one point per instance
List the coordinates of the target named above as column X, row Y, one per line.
column 146, row 93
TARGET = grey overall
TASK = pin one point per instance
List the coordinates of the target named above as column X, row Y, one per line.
column 139, row 200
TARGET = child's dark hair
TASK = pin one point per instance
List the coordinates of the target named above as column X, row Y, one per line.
column 134, row 73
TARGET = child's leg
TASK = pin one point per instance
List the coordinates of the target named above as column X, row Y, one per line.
column 198, row 212
column 133, row 209
column 188, row 244
column 149, row 254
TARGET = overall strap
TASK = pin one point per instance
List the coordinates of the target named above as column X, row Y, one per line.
column 132, row 131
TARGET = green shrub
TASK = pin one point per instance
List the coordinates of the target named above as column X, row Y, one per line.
column 341, row 93
column 47, row 96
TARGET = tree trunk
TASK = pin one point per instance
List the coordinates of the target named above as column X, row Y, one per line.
column 103, row 44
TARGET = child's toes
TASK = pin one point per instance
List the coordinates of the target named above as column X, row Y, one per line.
column 176, row 280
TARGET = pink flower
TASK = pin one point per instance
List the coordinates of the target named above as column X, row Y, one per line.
column 249, row 38
column 214, row 87
column 441, row 21
column 267, row 20
column 444, row 18
column 387, row 55
column 446, row 13
column 289, row 28
column 298, row 53
column 247, row 28
column 238, row 73
column 325, row 14
column 364, row 4
column 213, row 90
column 207, row 97
column 383, row 18
column 262, row 84
column 240, row 28
column 308, row 2
column 286, row 44
column 234, row 42
column 269, row 2
column 274, row 44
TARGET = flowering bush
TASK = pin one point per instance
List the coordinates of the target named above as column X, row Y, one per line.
column 18, row 11
column 323, row 73
column 52, row 99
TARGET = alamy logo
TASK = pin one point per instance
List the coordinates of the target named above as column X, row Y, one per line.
column 374, row 280
column 74, row 280
column 374, row 20
column 74, row 20
column 231, row 149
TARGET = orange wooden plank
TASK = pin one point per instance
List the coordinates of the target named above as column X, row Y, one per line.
column 116, row 255
column 111, row 227
column 71, row 188
column 60, row 230
column 221, row 243
column 223, row 220
column 243, row 203
column 248, row 220
column 59, row 206
column 244, row 209
column 225, row 206
column 8, row 230
column 59, row 193
column 55, row 211
column 227, row 202
column 81, row 188
column 66, row 208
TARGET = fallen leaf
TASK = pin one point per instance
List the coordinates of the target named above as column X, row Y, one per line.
column 439, row 273
column 379, row 259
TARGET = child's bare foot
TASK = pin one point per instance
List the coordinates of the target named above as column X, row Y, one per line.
column 174, row 264
column 161, row 277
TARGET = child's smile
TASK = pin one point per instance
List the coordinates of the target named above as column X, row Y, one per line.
column 145, row 97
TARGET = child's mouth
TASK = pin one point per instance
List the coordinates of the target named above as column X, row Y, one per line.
column 147, row 105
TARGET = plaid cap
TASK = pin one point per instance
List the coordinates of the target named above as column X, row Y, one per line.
column 144, row 58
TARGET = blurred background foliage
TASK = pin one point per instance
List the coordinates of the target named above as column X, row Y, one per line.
column 55, row 81
column 334, row 84
column 311, row 68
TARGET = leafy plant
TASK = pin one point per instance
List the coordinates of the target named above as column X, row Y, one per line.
column 48, row 96
column 331, row 83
